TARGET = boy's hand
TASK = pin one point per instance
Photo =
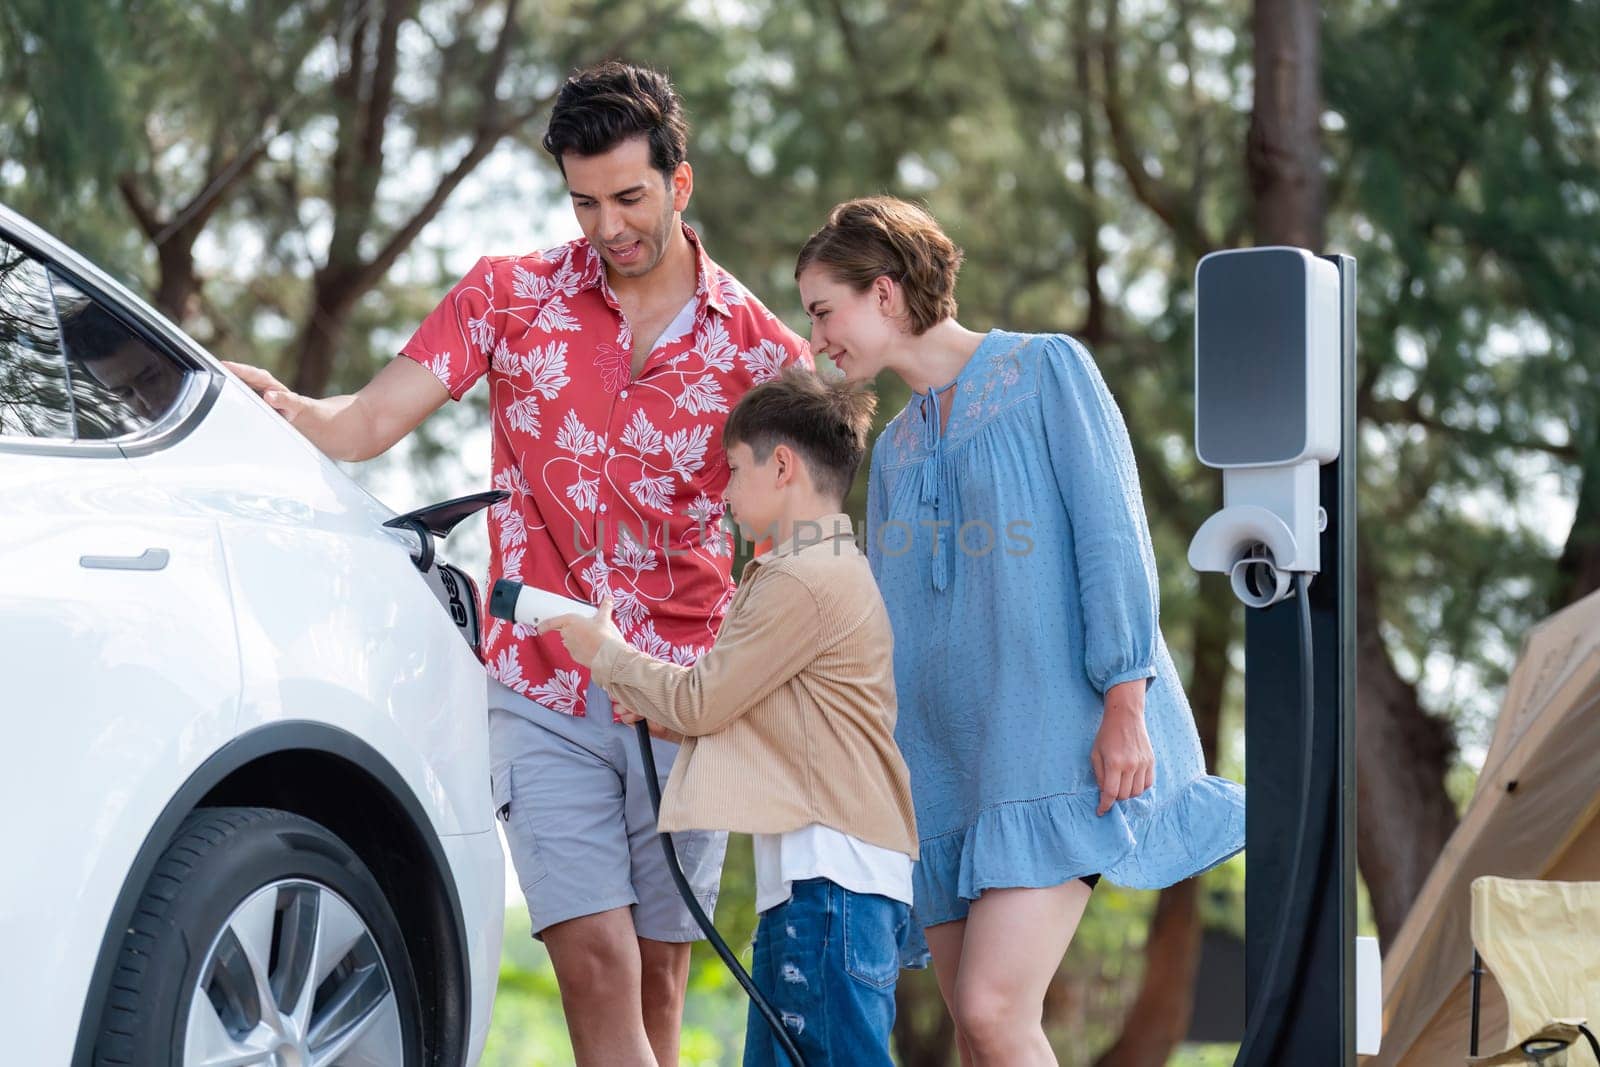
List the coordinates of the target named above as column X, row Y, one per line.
column 583, row 637
column 629, row 717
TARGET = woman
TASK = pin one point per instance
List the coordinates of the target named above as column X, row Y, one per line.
column 1041, row 716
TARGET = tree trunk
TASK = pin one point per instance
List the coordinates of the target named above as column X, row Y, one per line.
column 1402, row 756
column 364, row 91
column 178, row 287
column 334, row 297
column 1402, row 752
column 1094, row 315
column 1578, row 571
column 1283, row 151
column 1159, row 1018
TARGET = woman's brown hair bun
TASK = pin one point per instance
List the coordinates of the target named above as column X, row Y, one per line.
column 875, row 236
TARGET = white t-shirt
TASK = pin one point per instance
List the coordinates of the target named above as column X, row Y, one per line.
column 818, row 851
column 681, row 324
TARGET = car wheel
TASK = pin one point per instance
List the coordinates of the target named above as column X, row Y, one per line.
column 261, row 938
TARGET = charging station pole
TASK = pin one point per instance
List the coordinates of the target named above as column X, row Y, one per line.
column 1316, row 987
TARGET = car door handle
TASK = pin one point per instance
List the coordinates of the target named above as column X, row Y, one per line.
column 151, row 559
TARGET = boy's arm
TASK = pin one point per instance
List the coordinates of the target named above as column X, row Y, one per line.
column 772, row 637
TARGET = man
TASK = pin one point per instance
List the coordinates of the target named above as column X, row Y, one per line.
column 612, row 364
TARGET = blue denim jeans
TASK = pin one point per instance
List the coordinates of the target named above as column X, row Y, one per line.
column 828, row 960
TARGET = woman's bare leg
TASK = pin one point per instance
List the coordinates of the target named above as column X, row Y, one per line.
column 1012, row 946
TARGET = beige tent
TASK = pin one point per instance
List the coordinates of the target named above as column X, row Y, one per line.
column 1536, row 814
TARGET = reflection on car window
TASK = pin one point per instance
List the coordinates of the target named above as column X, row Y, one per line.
column 34, row 400
column 119, row 383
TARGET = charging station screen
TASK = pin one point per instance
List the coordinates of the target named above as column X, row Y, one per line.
column 1251, row 358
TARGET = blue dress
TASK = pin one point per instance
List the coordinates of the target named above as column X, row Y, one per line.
column 1014, row 556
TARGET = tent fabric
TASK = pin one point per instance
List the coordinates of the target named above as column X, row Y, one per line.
column 1533, row 816
column 1542, row 941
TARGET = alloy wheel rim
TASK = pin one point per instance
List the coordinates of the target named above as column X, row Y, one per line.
column 293, row 979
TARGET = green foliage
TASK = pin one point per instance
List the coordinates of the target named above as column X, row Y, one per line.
column 528, row 1030
column 61, row 110
column 1467, row 166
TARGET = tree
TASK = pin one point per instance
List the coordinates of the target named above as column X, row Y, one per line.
column 204, row 128
column 1466, row 128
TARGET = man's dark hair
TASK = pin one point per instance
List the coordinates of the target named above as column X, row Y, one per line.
column 89, row 332
column 600, row 107
column 825, row 422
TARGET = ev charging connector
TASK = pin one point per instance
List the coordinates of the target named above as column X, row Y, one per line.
column 1267, row 380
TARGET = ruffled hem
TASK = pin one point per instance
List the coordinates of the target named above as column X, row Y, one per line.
column 1054, row 839
column 1193, row 832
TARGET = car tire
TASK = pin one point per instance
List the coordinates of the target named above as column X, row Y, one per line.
column 261, row 930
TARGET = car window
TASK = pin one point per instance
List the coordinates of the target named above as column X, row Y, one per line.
column 119, row 383
column 35, row 398
column 69, row 367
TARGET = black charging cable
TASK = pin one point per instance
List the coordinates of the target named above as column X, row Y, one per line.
column 1266, row 1028
column 764, row 1006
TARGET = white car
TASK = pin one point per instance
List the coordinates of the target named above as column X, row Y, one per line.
column 244, row 771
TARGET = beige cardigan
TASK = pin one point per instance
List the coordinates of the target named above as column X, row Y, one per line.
column 789, row 718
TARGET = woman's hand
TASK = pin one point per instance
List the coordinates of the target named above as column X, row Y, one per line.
column 583, row 637
column 1124, row 763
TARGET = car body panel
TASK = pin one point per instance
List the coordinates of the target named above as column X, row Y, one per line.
column 340, row 626
column 281, row 599
column 82, row 789
column 477, row 860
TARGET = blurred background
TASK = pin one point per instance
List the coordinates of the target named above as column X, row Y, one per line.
column 298, row 183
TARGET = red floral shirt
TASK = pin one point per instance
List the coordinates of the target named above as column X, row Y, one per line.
column 616, row 482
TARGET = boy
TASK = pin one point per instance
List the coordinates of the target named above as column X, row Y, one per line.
column 789, row 727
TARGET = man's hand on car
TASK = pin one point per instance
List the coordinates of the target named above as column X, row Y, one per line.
column 360, row 425
column 284, row 401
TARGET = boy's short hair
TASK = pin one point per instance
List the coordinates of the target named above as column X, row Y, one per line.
column 825, row 422
column 599, row 107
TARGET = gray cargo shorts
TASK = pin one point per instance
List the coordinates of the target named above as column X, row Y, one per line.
column 570, row 794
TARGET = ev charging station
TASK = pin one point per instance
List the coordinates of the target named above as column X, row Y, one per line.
column 1274, row 411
